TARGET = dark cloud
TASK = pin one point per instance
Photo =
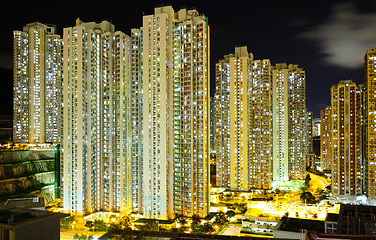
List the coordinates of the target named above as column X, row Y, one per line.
column 345, row 35
column 6, row 61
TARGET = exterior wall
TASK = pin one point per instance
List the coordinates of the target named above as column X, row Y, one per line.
column 346, row 139
column 157, row 111
column 325, row 142
column 370, row 118
column 239, row 119
column 286, row 235
column 192, row 135
column 222, row 125
column 280, row 124
column 232, row 117
column 96, row 78
column 37, row 84
column 298, row 132
column 38, row 226
column 260, row 124
column 136, row 120
column 289, row 123
column 175, row 114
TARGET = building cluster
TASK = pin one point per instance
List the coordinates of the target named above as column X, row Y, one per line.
column 264, row 105
column 348, row 136
column 136, row 124
column 131, row 113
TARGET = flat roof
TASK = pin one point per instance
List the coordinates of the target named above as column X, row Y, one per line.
column 15, row 216
column 332, row 217
column 296, row 224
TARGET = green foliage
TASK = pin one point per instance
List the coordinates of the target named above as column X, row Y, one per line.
column 99, row 225
column 230, row 214
column 121, row 229
column 220, row 219
column 307, row 197
column 307, row 179
column 124, row 223
column 206, row 228
column 242, row 207
column 80, row 237
column 183, row 221
column 66, row 223
column 195, row 219
column 151, row 226
column 89, row 224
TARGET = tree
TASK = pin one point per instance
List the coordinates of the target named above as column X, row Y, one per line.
column 230, row 214
column 195, row 219
column 242, row 207
column 67, row 222
column 307, row 179
column 89, row 224
column 183, row 221
column 307, row 197
column 125, row 222
column 80, row 237
column 220, row 219
column 99, row 225
column 151, row 226
column 207, row 228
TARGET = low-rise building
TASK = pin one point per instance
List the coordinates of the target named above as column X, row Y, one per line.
column 296, row 228
column 29, row 224
column 165, row 224
column 352, row 220
column 263, row 226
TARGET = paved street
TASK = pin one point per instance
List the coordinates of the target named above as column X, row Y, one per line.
column 322, row 181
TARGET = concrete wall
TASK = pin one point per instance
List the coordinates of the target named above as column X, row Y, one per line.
column 26, row 173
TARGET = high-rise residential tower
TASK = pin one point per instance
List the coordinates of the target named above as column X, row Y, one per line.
column 232, row 120
column 370, row 124
column 243, row 104
column 37, row 84
column 136, row 119
column 176, row 139
column 260, row 124
column 95, row 170
column 325, row 141
column 289, row 122
column 346, row 139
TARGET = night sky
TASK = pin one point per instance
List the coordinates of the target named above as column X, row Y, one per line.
column 328, row 39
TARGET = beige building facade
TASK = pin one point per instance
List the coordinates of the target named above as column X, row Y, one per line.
column 176, row 139
column 346, row 139
column 95, row 172
column 36, row 84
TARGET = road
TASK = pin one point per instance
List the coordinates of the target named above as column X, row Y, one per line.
column 319, row 179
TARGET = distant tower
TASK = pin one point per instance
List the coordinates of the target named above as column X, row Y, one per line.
column 95, row 124
column 176, row 106
column 232, row 120
column 370, row 124
column 346, row 128
column 325, row 141
column 37, row 84
column 289, row 123
column 260, row 124
column 136, row 119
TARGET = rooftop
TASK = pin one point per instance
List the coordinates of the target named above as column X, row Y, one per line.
column 148, row 220
column 332, row 217
column 331, row 236
column 296, row 224
column 15, row 216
